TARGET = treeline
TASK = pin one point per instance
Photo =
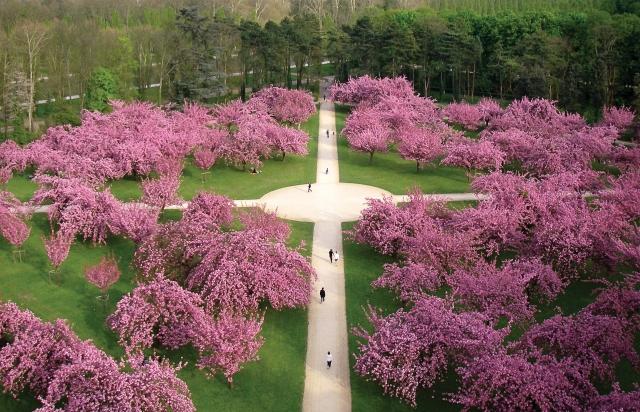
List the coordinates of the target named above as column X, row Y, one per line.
column 583, row 53
column 585, row 61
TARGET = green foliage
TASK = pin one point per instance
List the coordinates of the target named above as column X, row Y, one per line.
column 101, row 88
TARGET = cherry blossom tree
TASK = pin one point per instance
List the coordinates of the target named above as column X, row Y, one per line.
column 57, row 248
column 266, row 223
column 422, row 145
column 503, row 382
column 103, row 275
column 162, row 311
column 366, row 90
column 238, row 270
column 65, row 373
column 619, row 117
column 76, row 208
column 471, row 155
column 285, row 105
column 504, row 293
column 366, row 133
column 463, row 114
column 489, row 108
column 411, row 350
column 12, row 219
column 161, row 192
column 213, row 210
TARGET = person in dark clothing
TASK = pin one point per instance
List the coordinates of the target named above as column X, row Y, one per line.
column 322, row 295
column 331, row 255
column 327, row 133
column 309, row 188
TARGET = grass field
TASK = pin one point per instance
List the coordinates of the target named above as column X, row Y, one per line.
column 389, row 171
column 274, row 383
column 363, row 265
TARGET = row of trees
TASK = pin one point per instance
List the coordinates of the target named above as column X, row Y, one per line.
column 530, row 135
column 476, row 284
column 585, row 59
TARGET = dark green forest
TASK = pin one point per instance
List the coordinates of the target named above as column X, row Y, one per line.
column 60, row 56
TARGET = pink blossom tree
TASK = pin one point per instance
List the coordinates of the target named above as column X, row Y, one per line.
column 366, row 90
column 463, row 114
column 366, row 133
column 57, row 247
column 228, row 343
column 619, row 117
column 482, row 156
column 238, row 270
column 103, row 275
column 161, row 192
column 503, row 382
column 162, row 311
column 411, row 350
column 285, row 105
column 267, row 223
column 65, row 373
column 13, row 216
column 421, row 145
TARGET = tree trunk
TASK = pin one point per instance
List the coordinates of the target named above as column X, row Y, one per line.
column 371, row 157
column 283, row 154
column 417, row 166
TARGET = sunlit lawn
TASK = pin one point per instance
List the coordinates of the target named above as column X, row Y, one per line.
column 274, row 383
column 389, row 171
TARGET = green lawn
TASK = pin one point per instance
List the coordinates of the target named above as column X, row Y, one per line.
column 274, row 383
column 389, row 171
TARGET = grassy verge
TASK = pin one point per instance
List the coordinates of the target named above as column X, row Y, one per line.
column 274, row 383
column 389, row 171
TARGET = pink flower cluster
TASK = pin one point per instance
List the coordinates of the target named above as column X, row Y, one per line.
column 387, row 113
column 13, row 216
column 163, row 312
column 285, row 105
column 65, row 373
column 556, row 234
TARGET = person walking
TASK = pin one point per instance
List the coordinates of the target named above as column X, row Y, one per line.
column 309, row 188
column 326, row 172
column 322, row 295
column 327, row 133
column 336, row 256
column 331, row 255
column 329, row 360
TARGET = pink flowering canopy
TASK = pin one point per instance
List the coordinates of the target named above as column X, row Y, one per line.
column 367, row 90
column 285, row 105
column 13, row 216
column 410, row 350
column 619, row 117
column 65, row 373
column 163, row 312
column 104, row 274
column 464, row 114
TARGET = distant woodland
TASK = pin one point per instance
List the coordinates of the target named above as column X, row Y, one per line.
column 60, row 56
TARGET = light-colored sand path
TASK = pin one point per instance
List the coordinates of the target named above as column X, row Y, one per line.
column 326, row 389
